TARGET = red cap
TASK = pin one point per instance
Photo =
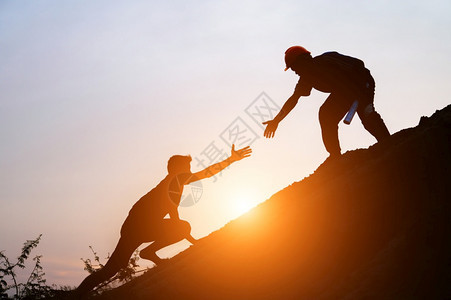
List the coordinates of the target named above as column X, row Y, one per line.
column 292, row 54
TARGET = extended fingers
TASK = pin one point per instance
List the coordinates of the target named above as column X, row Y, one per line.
column 269, row 134
column 245, row 152
column 245, row 155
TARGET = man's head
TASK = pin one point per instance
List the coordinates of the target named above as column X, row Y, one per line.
column 179, row 164
column 296, row 57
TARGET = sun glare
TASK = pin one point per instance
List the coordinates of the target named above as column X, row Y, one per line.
column 242, row 204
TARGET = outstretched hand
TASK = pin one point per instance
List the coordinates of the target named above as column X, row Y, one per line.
column 239, row 154
column 270, row 128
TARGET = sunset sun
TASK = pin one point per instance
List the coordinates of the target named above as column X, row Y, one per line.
column 242, row 206
column 242, row 203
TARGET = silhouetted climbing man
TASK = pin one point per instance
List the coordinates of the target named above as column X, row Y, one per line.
column 146, row 220
column 346, row 79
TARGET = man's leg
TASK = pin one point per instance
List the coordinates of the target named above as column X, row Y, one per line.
column 118, row 260
column 331, row 112
column 168, row 232
column 373, row 122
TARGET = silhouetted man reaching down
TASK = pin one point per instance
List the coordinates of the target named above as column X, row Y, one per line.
column 346, row 79
column 146, row 220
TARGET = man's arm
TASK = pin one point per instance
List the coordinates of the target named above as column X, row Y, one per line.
column 214, row 169
column 173, row 211
column 286, row 108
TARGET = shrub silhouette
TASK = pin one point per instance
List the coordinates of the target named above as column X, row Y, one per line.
column 35, row 286
column 124, row 275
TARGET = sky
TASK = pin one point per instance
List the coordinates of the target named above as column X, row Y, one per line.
column 97, row 95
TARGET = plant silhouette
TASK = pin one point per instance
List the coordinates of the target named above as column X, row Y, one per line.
column 124, row 275
column 35, row 286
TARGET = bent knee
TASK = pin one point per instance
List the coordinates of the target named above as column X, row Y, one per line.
column 185, row 226
column 366, row 110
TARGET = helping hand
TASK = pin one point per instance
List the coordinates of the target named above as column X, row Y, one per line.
column 270, row 129
column 239, row 154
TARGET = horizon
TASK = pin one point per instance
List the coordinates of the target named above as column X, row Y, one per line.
column 97, row 96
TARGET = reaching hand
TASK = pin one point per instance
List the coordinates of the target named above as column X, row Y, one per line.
column 270, row 129
column 240, row 153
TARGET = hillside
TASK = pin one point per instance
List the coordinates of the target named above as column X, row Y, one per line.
column 374, row 224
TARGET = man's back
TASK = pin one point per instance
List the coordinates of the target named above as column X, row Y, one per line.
column 332, row 72
column 345, row 63
column 153, row 205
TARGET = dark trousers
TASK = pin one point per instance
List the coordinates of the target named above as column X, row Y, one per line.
column 162, row 233
column 335, row 108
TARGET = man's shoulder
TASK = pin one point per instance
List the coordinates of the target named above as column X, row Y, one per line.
column 338, row 59
column 329, row 55
column 178, row 181
column 183, row 178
